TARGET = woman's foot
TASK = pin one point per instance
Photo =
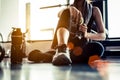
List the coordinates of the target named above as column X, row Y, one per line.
column 62, row 56
column 37, row 56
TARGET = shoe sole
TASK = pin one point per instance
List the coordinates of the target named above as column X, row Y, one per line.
column 61, row 60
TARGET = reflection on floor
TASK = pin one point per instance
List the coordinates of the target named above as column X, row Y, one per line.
column 100, row 70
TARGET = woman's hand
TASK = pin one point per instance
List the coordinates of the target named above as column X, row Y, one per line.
column 83, row 28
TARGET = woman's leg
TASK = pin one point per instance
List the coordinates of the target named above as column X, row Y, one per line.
column 62, row 36
column 60, row 41
column 38, row 56
column 94, row 48
column 62, row 56
column 96, row 52
column 91, row 52
column 62, row 28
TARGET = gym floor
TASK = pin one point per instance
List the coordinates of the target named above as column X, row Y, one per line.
column 107, row 69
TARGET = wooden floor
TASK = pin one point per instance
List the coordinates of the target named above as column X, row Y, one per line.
column 99, row 70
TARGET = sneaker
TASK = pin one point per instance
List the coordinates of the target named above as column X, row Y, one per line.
column 62, row 56
column 37, row 56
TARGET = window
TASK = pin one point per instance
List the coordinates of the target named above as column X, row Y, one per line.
column 43, row 22
column 113, row 18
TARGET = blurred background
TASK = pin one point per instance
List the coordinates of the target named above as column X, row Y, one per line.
column 39, row 24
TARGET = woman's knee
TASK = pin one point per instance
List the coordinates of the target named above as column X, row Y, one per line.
column 64, row 19
column 62, row 29
column 100, row 48
column 95, row 48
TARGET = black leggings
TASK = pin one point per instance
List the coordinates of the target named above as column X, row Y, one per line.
column 90, row 49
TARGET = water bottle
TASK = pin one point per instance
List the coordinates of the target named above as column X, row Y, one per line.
column 16, row 46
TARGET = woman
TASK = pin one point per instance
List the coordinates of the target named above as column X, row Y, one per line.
column 73, row 40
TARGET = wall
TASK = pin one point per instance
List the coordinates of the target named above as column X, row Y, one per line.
column 8, row 16
column 0, row 10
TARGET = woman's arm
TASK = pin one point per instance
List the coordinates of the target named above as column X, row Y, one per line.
column 101, row 32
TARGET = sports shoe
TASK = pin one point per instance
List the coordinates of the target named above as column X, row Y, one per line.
column 37, row 56
column 62, row 56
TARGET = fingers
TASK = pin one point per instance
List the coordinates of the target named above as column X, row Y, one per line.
column 83, row 28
